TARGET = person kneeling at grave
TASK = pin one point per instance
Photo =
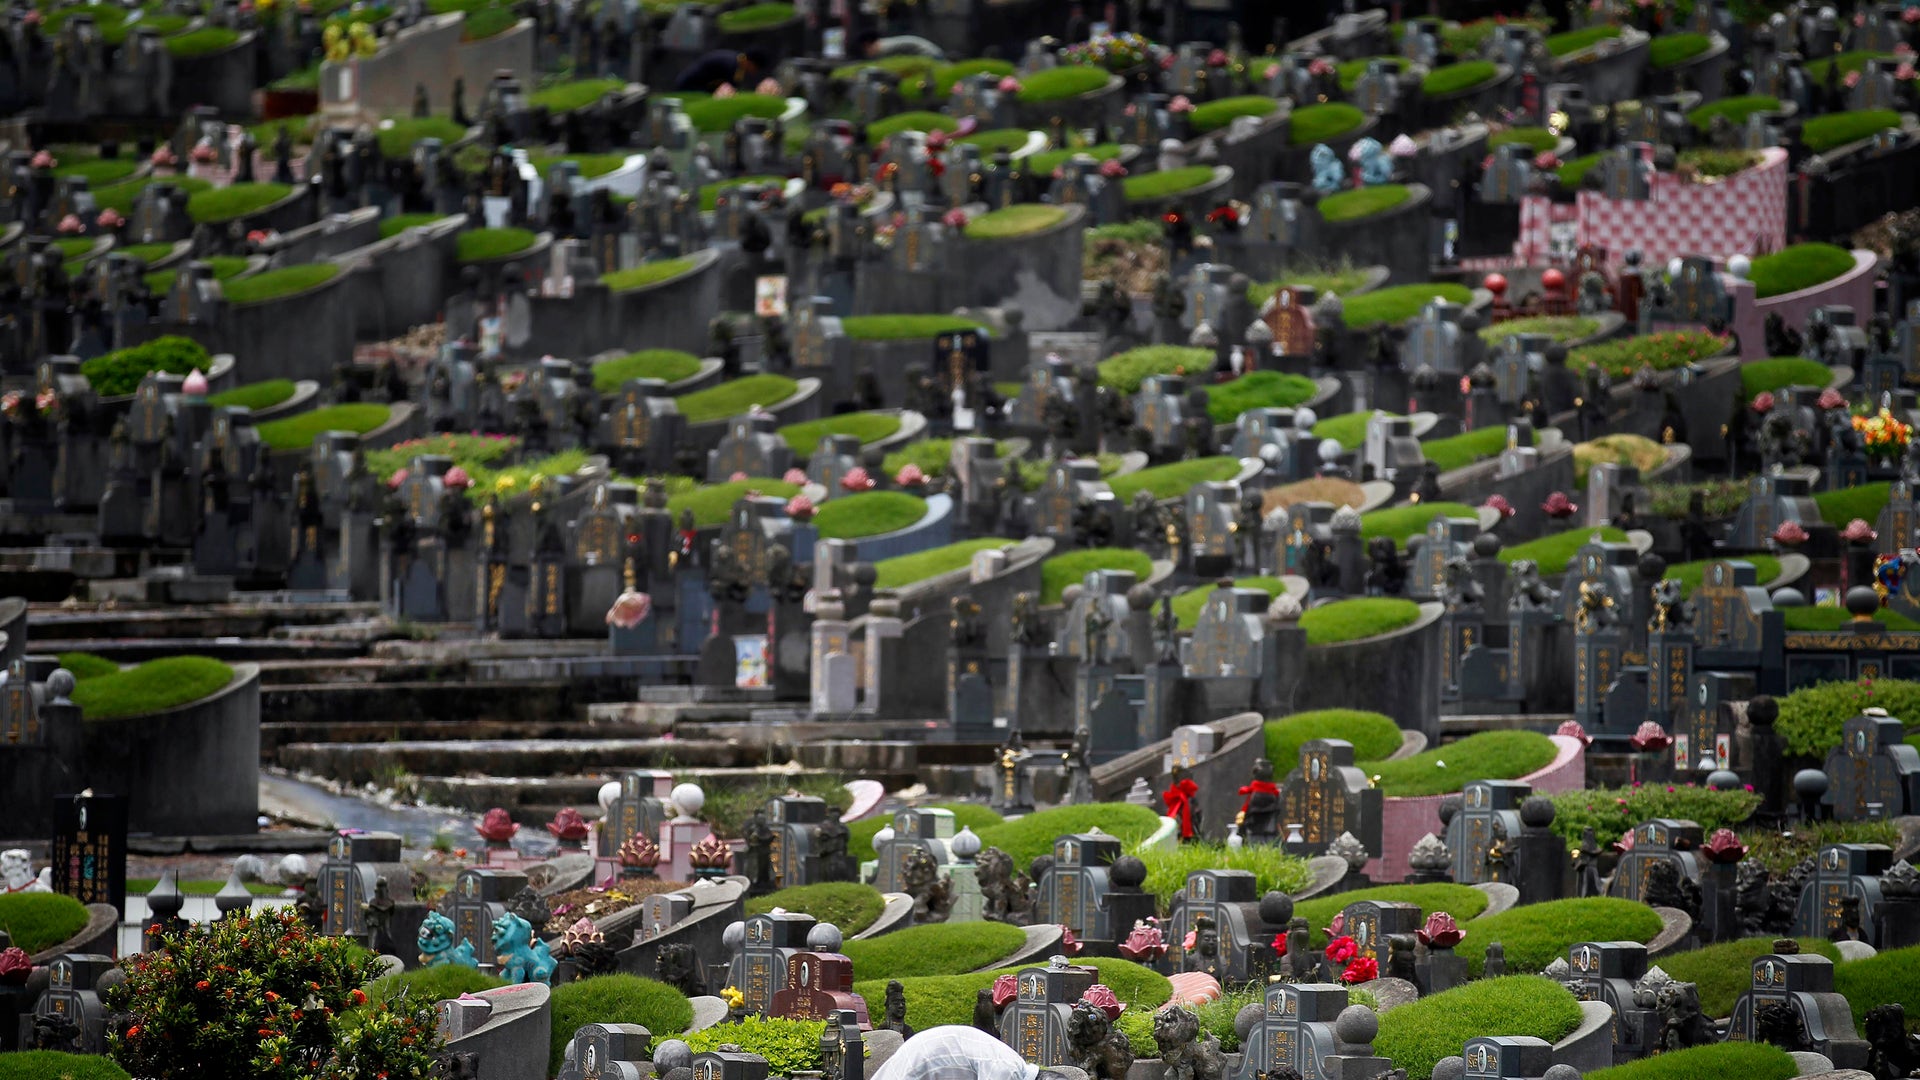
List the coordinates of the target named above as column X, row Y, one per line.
column 956, row 1052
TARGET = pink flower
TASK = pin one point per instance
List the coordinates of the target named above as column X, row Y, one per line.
column 1101, row 997
column 1910, row 15
column 1763, row 401
column 1572, row 730
column 1144, row 944
column 1546, row 161
column 1339, row 923
column 1724, row 847
column 1790, row 533
column 856, row 480
column 955, row 218
column 795, row 477
column 1625, row 843
column 457, row 479
column 1859, row 18
column 1650, row 737
column 15, row 967
column 1112, row 169
column 72, row 224
column 45, row 401
column 629, row 610
column 1905, row 72
column 769, row 88
column 737, row 478
column 1180, row 104
column 164, row 156
column 109, row 219
column 1559, row 506
column 1500, row 503
column 1130, row 110
column 399, row 477
column 1852, row 80
column 1342, row 949
column 204, row 153
column 1217, row 58
column 1272, row 72
column 1364, row 969
column 910, row 476
column 1189, row 941
column 1901, row 48
column 1859, row 532
column 1594, row 5
column 724, row 91
column 1068, row 943
column 1005, row 989
column 1440, row 932
column 195, row 384
column 1832, row 399
column 800, row 508
column 44, row 160
column 1320, row 67
column 1009, row 85
column 936, row 141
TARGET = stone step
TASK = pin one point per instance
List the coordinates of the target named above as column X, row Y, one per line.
column 535, row 799
column 412, row 700
column 234, row 620
column 361, row 763
column 275, row 735
column 268, row 652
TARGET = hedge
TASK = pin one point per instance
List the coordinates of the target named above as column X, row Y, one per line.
column 1072, row 568
column 54, row 1065
column 1848, row 63
column 1187, row 605
column 938, row 1000
column 1834, row 130
column 1174, row 479
column 1723, row 972
column 86, row 665
column 1061, row 83
column 255, row 396
column 1339, row 282
column 711, row 503
column 667, row 365
column 1812, row 716
column 98, row 171
column 1574, row 170
column 944, row 76
column 1613, row 812
column 235, row 200
column 910, row 121
column 1214, row 115
column 994, row 140
column 574, row 94
column 1357, row 618
column 1535, row 935
column 649, row 273
column 39, row 921
column 869, row 513
column 154, row 686
column 1769, row 376
column 1782, row 850
column 1417, row 1035
column 1125, row 371
column 1553, row 553
column 1017, row 220
column 965, row 816
column 120, row 372
column 848, row 905
column 714, row 115
column 904, row 570
column 868, row 427
column 736, row 396
column 789, row 1046
column 1487, row 755
column 614, row 999
column 1463, row 902
column 904, row 327
column 1043, row 164
column 1403, row 523
column 120, row 197
column 298, row 432
column 1891, row 978
column 936, row 949
column 1318, row 123
column 1374, row 735
column 1456, row 78
column 1026, row 839
column 1801, row 266
column 398, row 137
column 1399, row 303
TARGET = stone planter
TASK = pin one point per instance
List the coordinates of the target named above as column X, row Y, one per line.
column 1248, row 155
column 1038, row 272
column 326, row 315
column 934, row 529
column 1293, row 159
column 1854, row 288
column 1609, row 70
column 1474, row 484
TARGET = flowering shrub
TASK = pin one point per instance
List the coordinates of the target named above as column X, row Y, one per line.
column 398, row 478
column 264, row 997
column 788, row 1045
column 1611, row 812
column 1662, row 352
column 1115, row 52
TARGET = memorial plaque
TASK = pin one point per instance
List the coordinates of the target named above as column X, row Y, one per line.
column 89, row 849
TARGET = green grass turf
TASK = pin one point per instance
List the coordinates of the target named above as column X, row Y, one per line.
column 591, row 165
column 1398, row 303
column 1662, row 352
column 39, row 921
column 1348, row 429
column 1027, row 838
column 944, row 76
column 869, row 513
column 1463, row 902
column 1017, row 220
column 736, row 396
column 224, row 267
column 1735, row 109
column 754, row 17
column 574, row 93
column 156, row 685
column 1801, row 266
column 1061, row 83
column 1723, row 972
column 298, row 432
column 938, row 1000
column 1339, row 282
column 904, row 327
column 86, row 665
column 903, row 66
column 1416, row 1036
column 1350, row 71
column 1257, row 390
column 1824, row 133
column 1071, row 568
column 710, row 194
column 1187, row 605
column 1459, row 451
column 848, row 905
column 233, row 201
column 965, row 816
column 904, row 570
column 119, row 372
column 143, row 886
column 202, row 42
column 1457, row 78
column 1841, row 506
column 1539, row 138
column 713, row 115
column 649, row 273
column 1562, row 328
column 1766, row 568
column 274, row 284
column 614, row 999
column 256, row 396
column 1574, row 40
column 1670, row 50
column 1575, row 169
column 1214, row 115
column 868, row 427
column 1891, row 978
column 1357, row 618
column 1847, row 62
column 1834, row 618
column 995, row 140
column 1363, row 202
column 478, row 245
column 1555, row 551
column 1402, row 523
column 910, row 121
column 1488, row 755
column 399, row 223
column 1272, row 868
column 1317, row 123
column 1780, row 372
column 936, row 949
column 1811, row 717
column 1043, row 164
column 1749, row 1061
column 1536, row 934
column 99, row 172
column 1374, row 735
column 711, row 503
column 1125, row 371
column 119, row 197
column 667, row 365
column 399, row 136
column 55, row 1065
column 1176, row 478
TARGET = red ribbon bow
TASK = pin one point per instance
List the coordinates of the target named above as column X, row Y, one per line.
column 1257, row 787
column 1179, row 800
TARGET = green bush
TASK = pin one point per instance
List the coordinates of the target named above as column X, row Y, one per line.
column 730, row 806
column 1847, row 62
column 574, row 94
column 1574, row 40
column 1398, row 303
column 1669, row 50
column 298, row 432
column 1456, row 78
column 1187, row 605
column 1317, row 123
column 667, row 365
column 848, row 905
column 1271, row 866
column 1801, row 266
column 1723, row 972
column 1257, row 390
column 869, row 427
column 1125, row 371
column 1363, row 202
column 255, row 396
column 869, row 513
column 117, row 373
column 1462, row 450
column 1612, row 812
column 1026, row 839
column 1060, row 83
column 936, row 949
column 937, row 1000
column 1811, row 717
column 1487, row 755
column 1709, row 163
column 710, row 194
column 1536, row 934
column 1834, row 130
column 1574, row 170
column 1463, row 902
column 473, row 452
column 1891, row 978
column 1539, row 138
column 154, row 686
column 1360, row 617
column 1417, row 1035
column 215, row 205
column 1864, row 501
column 1173, row 479
column 1562, row 328
column 1403, row 523
column 615, row 999
column 1766, row 568
column 965, row 816
column 1214, row 115
column 904, row 327
column 910, row 121
column 1781, row 850
column 1374, row 736
column 202, row 42
column 120, row 196
column 788, row 1046
column 54, row 1065
column 1768, row 376
column 39, row 921
column 754, row 17
column 86, row 665
column 904, row 570
column 425, row 986
column 1553, row 553
column 479, row 245
column 711, row 503
column 276, row 283
column 1735, row 109
column 98, row 172
column 1072, row 567
column 1019, row 219
column 649, row 273
column 736, row 396
column 946, row 75
column 1160, row 185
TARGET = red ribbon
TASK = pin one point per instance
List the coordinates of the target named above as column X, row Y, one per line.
column 1179, row 800
column 1257, row 787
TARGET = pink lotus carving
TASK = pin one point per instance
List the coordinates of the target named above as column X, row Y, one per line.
column 1144, row 944
column 1320, row 68
column 72, row 224
column 1859, row 532
column 497, row 827
column 800, row 508
column 1548, row 160
column 1500, row 503
column 568, row 824
column 724, row 91
column 1337, row 927
column 399, row 477
column 738, row 477
column 1217, row 58
column 1181, row 103
column 44, row 160
column 795, row 477
column 1009, row 85
column 955, row 218
column 204, row 153
column 1724, row 847
column 1112, row 169
column 1272, row 72
column 1559, row 506
column 109, row 219
column 857, row 480
column 1440, row 932
column 1790, row 533
column 769, row 88
column 1102, row 997
column 641, row 852
column 15, row 967
column 1832, row 399
column 629, row 610
column 1763, row 402
column 582, row 932
column 1403, row 146
column 1005, row 989
column 195, row 384
column 457, row 479
column 1650, row 738
column 910, row 476
column 164, row 156
column 1572, row 730
column 711, row 853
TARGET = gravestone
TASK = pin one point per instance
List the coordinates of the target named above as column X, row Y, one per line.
column 1841, row 871
column 608, row 1052
column 1327, row 795
column 1873, row 772
column 347, row 880
column 1370, row 923
column 1035, row 1024
column 1802, row 983
column 1662, row 840
column 753, row 446
column 1485, row 829
column 818, row 985
column 927, row 830
column 1296, row 1031
column 88, row 851
column 1606, row 971
column 796, row 821
column 1074, row 890
column 1229, row 902
column 1507, row 1057
column 479, row 897
column 759, row 969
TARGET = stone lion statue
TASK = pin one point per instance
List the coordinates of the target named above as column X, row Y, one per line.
column 1094, row 1046
column 1183, row 1053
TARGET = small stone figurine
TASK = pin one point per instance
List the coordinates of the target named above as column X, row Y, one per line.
column 1259, row 818
column 756, row 863
column 1184, row 1054
column 1079, row 771
column 1496, row 962
column 896, row 1010
column 376, row 916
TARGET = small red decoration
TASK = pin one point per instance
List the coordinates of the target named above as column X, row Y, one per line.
column 1440, row 932
column 1005, row 989
column 497, row 827
column 1559, row 506
column 1651, row 738
column 1102, row 997
column 1859, row 532
column 1552, row 280
column 1790, row 533
column 15, row 967
column 1763, row 402
column 711, row 853
column 1179, row 800
column 1572, row 730
column 857, row 480
column 568, row 824
column 1068, row 943
column 1500, row 503
column 1495, row 284
column 1724, row 847
column 1342, row 949
column 1363, row 969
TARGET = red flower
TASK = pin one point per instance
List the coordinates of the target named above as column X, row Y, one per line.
column 271, row 996
column 1280, row 943
column 1342, row 949
column 1364, row 969
column 133, row 1032
column 357, row 996
column 202, row 985
column 1763, row 402
column 1559, row 506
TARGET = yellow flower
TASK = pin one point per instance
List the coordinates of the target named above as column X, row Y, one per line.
column 505, row 484
column 733, row 997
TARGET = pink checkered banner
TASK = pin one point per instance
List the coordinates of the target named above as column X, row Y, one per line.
column 1744, row 214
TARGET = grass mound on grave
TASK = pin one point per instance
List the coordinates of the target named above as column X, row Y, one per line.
column 1125, row 372
column 424, row 986
column 754, row 17
column 1766, row 569
column 256, row 396
column 484, row 18
column 223, row 266
column 1848, row 63
column 398, row 136
column 711, row 503
column 1719, row 498
column 1561, row 328
column 39, row 921
column 1073, row 567
column 1400, row 302
column 1613, row 812
column 298, row 432
column 1331, row 490
column 710, row 194
column 120, row 197
column 148, row 254
column 55, row 1065
column 866, row 426
column 1735, row 109
column 393, row 226
column 1374, row 735
column 1402, row 523
column 936, row 949
column 615, row 999
column 1841, row 506
column 1173, row 479
column 848, row 905
column 1363, row 202
column 1457, row 78
column 591, row 165
column 202, row 42
column 1462, row 450
column 938, row 84
column 1827, row 617
column 1749, row 1061
column 276, row 283
column 1776, row 374
column 789, row 1046
column 233, row 201
column 910, row 121
column 1487, row 755
column 1061, row 83
column 995, row 140
column 1708, row 163
column 1214, row 115
column 870, row 513
column 1347, row 429
column 902, row 66
column 1339, row 281
column 736, row 396
column 712, row 115
column 1801, row 266
column 667, row 365
column 1573, row 171
column 111, row 20
column 1044, row 164
column 1812, row 716
column 1026, row 839
column 1187, row 605
column 1417, row 1035
column 154, row 686
column 1539, row 139
column 1891, row 978
column 934, row 1001
column 1723, row 972
column 120, row 372
column 574, row 94
column 1781, row 850
column 479, row 245
column 1257, row 390
column 904, row 327
column 965, row 816
column 649, row 273
column 97, row 171
column 143, row 886
column 1351, row 70
column 1670, row 50
column 523, row 477
column 730, row 806
column 1536, row 934
column 86, row 665
column 1574, row 40
column 1317, row 123
column 1463, row 902
column 1356, row 619
column 1636, row 450
column 470, row 451
column 1834, row 130
column 903, row 570
column 1271, row 866
column 1020, row 219
column 1553, row 553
